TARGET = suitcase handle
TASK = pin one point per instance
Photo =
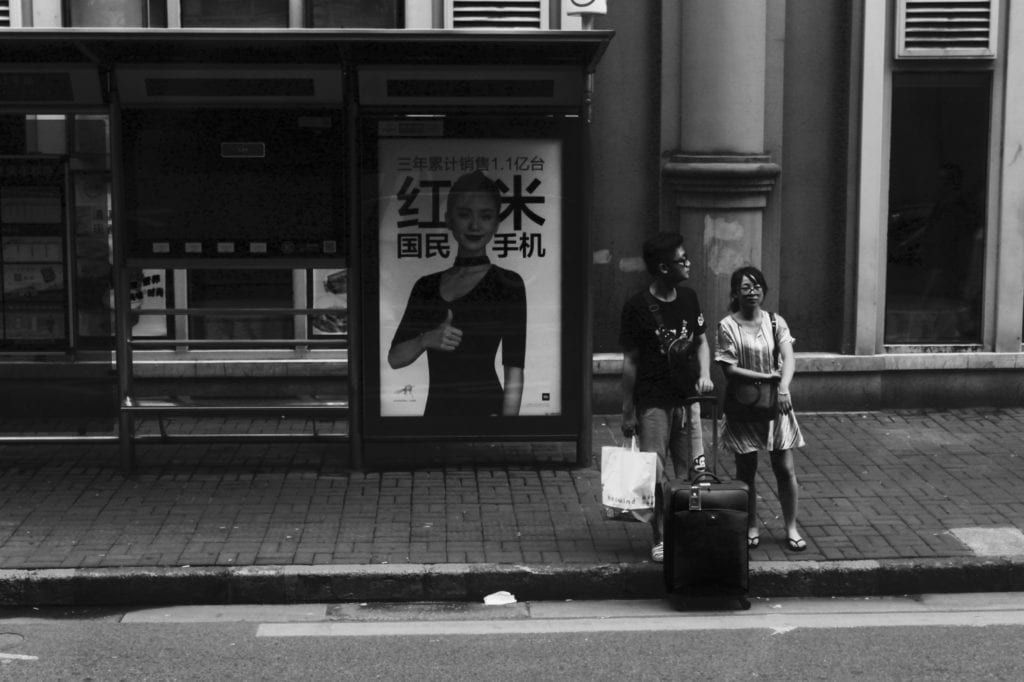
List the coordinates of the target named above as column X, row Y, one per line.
column 709, row 400
column 703, row 475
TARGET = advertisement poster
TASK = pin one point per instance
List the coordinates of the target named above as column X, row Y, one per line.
column 476, row 327
column 148, row 291
column 330, row 293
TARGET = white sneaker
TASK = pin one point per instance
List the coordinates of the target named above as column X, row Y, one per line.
column 658, row 553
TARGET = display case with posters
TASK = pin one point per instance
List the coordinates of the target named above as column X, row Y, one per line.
column 511, row 369
column 32, row 254
column 330, row 294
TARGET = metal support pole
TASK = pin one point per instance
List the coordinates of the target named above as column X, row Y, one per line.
column 122, row 303
column 356, row 399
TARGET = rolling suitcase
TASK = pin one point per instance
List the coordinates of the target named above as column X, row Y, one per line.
column 706, row 556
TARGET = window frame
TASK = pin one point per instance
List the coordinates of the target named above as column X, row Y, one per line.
column 1002, row 289
column 300, row 13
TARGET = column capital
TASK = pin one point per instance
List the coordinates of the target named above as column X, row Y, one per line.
column 721, row 181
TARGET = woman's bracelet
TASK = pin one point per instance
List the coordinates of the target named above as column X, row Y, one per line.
column 781, row 393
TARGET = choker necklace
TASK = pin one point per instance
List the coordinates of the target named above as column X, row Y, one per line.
column 469, row 261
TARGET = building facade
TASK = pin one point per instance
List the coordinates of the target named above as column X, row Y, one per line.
column 864, row 154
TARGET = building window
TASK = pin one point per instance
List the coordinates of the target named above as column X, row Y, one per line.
column 937, row 190
column 234, row 13
column 486, row 14
column 10, row 13
column 352, row 14
column 228, row 13
column 115, row 13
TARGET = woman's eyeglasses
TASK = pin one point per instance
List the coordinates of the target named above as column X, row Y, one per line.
column 749, row 288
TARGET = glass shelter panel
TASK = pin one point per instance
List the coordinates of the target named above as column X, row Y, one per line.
column 55, row 205
column 230, row 184
column 936, row 236
column 235, row 290
column 236, row 216
column 32, row 205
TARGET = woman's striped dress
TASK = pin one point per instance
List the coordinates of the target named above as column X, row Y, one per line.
column 753, row 350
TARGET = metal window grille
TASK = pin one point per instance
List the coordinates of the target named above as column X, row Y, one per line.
column 935, row 29
column 9, row 11
column 496, row 14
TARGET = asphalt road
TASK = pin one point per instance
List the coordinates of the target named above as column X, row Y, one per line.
column 932, row 637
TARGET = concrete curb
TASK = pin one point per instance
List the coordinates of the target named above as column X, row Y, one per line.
column 471, row 582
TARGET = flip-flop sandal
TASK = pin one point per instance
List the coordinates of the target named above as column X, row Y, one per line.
column 796, row 544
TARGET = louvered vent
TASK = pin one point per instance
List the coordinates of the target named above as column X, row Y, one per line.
column 946, row 28
column 5, row 13
column 496, row 14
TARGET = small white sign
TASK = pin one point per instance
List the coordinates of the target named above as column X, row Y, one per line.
column 257, row 247
column 193, row 247
column 587, row 7
column 225, row 247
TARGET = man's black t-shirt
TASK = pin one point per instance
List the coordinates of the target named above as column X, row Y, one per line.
column 682, row 318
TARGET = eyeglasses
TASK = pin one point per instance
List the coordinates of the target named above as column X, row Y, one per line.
column 749, row 288
column 682, row 261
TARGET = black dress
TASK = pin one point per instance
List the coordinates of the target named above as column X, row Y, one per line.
column 463, row 382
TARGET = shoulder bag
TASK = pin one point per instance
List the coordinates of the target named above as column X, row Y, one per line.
column 678, row 350
column 754, row 400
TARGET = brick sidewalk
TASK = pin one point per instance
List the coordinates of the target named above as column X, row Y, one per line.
column 882, row 485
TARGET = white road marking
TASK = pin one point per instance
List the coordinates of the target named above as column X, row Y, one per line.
column 778, row 623
column 229, row 613
column 17, row 657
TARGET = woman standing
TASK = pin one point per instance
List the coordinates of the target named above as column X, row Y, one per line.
column 745, row 349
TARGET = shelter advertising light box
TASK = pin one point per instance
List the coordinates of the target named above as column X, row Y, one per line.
column 506, row 358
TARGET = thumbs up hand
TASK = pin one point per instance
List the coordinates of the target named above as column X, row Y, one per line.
column 444, row 336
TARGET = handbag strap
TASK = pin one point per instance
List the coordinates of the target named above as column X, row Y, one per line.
column 775, row 341
column 652, row 305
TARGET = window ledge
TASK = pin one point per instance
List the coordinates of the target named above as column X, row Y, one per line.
column 611, row 363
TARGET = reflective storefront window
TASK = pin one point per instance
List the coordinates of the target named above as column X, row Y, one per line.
column 936, row 208
column 234, row 13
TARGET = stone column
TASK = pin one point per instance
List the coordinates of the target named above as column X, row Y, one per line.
column 720, row 176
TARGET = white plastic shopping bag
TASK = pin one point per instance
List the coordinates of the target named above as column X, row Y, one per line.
column 628, row 479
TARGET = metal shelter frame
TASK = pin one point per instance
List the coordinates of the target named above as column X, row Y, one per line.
column 95, row 58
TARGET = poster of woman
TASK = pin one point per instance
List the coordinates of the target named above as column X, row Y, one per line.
column 470, row 277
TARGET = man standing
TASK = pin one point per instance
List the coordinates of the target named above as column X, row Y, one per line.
column 657, row 378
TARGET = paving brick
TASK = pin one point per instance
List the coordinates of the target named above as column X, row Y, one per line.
column 874, row 485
